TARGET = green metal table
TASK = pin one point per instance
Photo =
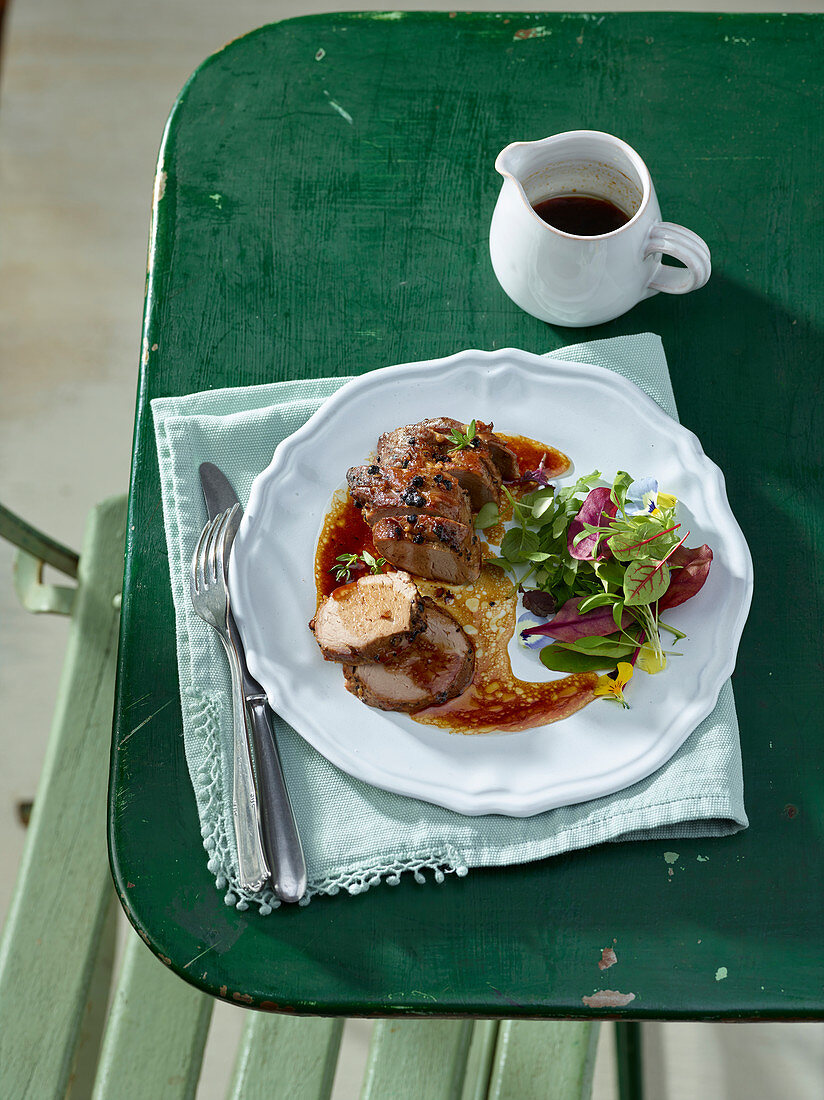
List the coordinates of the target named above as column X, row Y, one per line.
column 322, row 208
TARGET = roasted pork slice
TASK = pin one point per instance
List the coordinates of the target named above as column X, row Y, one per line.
column 415, row 446
column 382, row 491
column 430, row 546
column 369, row 619
column 438, row 665
column 501, row 454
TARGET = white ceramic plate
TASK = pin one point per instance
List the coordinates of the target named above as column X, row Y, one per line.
column 602, row 422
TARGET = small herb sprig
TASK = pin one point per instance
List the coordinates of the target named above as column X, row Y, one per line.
column 348, row 563
column 461, row 440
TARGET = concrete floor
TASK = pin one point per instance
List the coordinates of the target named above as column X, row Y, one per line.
column 84, row 92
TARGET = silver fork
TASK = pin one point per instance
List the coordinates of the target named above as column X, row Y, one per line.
column 210, row 599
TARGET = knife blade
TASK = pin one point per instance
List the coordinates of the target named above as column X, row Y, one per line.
column 279, row 832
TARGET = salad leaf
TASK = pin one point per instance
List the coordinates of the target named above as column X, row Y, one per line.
column 488, row 516
column 645, row 537
column 569, row 625
column 645, row 582
column 690, row 570
column 610, row 567
column 539, row 603
column 595, row 512
column 565, row 660
column 602, row 647
column 519, row 544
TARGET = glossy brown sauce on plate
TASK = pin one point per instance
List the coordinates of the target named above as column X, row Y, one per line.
column 495, row 700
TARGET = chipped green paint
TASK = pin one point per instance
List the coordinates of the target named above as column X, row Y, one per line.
column 531, row 32
column 670, row 857
column 721, row 973
column 344, row 114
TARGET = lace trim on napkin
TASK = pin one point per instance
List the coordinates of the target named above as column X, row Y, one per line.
column 203, row 716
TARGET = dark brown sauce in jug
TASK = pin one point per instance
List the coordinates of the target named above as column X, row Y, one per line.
column 583, row 215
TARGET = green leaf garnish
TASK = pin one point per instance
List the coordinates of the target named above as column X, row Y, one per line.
column 518, row 543
column 645, row 582
column 488, row 516
column 343, row 571
column 349, row 562
column 461, row 440
column 557, row 659
column 373, row 564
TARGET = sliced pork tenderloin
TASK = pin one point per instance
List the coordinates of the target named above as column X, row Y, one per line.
column 430, row 546
column 437, row 666
column 382, row 491
column 369, row 619
column 485, row 440
column 501, row 454
column 415, row 446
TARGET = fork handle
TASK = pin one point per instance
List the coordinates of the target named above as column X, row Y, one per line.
column 251, row 862
column 281, row 839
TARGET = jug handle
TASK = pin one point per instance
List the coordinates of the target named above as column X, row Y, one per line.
column 685, row 246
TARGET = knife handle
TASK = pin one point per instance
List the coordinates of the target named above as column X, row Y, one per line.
column 281, row 839
column 251, row 862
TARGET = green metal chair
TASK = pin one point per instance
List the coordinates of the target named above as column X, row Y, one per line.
column 67, row 1031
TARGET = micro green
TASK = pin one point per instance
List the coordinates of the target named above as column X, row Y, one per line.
column 349, row 563
column 461, row 440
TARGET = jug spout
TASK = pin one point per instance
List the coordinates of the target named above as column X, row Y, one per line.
column 515, row 161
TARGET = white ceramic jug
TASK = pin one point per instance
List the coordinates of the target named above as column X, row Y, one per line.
column 574, row 280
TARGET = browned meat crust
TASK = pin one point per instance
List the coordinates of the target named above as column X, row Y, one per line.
column 430, row 546
column 415, row 445
column 382, row 491
column 438, row 665
column 420, row 496
column 503, row 456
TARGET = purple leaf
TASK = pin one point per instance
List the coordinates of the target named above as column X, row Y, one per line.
column 597, row 510
column 568, row 625
column 539, row 603
column 690, row 567
column 537, row 475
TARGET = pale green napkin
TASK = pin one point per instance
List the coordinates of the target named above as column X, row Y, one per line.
column 355, row 835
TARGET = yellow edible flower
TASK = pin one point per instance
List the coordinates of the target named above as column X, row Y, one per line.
column 613, row 687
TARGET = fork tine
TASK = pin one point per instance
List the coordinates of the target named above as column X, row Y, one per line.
column 215, row 548
column 195, row 577
column 211, row 548
column 223, row 542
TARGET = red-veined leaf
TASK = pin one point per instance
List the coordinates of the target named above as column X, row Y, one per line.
column 645, row 582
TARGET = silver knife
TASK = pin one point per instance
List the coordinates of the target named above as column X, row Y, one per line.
column 279, row 832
